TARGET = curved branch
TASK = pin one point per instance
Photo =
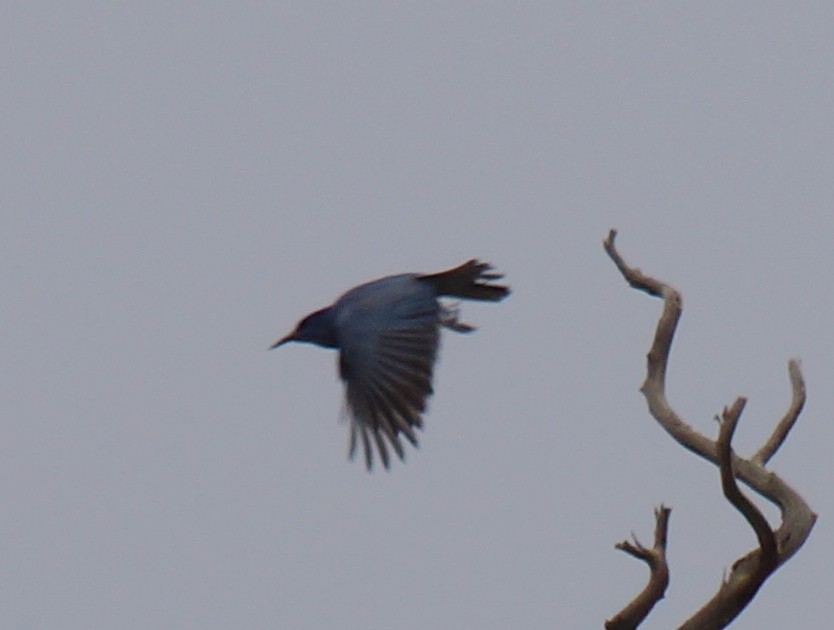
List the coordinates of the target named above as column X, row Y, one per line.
column 749, row 572
column 639, row 608
column 785, row 425
column 767, row 543
column 797, row 517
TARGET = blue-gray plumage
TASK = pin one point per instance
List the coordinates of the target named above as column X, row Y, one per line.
column 387, row 334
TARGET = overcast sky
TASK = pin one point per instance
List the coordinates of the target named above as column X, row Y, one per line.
column 181, row 182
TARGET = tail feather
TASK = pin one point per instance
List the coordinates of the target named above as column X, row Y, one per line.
column 469, row 281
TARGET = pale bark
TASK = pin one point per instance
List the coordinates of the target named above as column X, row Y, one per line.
column 750, row 571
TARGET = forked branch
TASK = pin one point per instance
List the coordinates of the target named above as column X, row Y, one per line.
column 750, row 571
column 639, row 608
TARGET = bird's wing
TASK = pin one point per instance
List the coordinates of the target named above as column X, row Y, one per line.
column 386, row 360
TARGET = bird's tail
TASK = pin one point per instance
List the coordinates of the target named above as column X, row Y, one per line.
column 469, row 281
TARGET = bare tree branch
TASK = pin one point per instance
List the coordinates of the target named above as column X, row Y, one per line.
column 750, row 571
column 639, row 608
column 767, row 543
column 782, row 429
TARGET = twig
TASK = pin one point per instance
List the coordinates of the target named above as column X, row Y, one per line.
column 639, row 608
column 768, row 450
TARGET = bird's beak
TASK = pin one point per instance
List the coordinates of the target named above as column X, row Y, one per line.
column 282, row 341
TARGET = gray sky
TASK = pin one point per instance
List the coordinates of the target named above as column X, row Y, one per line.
column 181, row 182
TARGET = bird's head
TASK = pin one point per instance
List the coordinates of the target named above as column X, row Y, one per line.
column 318, row 328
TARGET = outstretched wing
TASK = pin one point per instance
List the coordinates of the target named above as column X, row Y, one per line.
column 386, row 359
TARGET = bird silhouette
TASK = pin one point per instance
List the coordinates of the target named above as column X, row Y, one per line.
column 387, row 333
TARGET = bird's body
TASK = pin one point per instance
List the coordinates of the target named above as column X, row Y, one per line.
column 387, row 334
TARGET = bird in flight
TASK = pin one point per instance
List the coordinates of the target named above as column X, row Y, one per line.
column 387, row 333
